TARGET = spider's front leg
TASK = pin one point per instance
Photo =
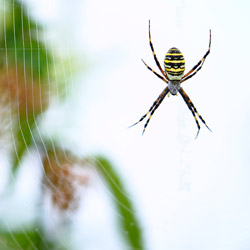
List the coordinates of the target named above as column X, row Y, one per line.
column 199, row 65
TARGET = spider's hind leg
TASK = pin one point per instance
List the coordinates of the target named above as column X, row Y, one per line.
column 152, row 109
column 193, row 110
column 143, row 117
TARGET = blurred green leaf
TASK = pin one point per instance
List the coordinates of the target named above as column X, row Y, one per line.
column 26, row 240
column 23, row 45
column 25, row 71
column 128, row 221
column 23, row 139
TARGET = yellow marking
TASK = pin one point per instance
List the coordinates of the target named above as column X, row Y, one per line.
column 171, row 49
column 175, row 70
column 174, row 61
column 174, row 54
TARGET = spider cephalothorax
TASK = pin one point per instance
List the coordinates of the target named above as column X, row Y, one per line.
column 173, row 75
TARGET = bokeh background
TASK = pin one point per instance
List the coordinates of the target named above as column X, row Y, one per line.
column 73, row 175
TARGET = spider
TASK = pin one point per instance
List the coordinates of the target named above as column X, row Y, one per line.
column 173, row 75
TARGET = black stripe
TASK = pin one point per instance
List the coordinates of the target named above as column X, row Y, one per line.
column 170, row 57
column 173, row 65
column 175, row 73
column 174, row 50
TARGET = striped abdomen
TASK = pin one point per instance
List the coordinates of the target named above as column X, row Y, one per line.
column 174, row 64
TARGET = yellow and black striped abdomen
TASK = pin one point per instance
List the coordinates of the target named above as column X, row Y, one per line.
column 174, row 64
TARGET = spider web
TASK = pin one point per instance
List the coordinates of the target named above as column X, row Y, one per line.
column 50, row 192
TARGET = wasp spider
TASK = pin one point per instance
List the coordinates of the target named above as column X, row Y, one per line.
column 173, row 75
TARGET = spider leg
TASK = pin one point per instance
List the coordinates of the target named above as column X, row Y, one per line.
column 191, row 75
column 195, row 110
column 154, row 109
column 199, row 65
column 159, row 99
column 192, row 109
column 154, row 54
column 161, row 77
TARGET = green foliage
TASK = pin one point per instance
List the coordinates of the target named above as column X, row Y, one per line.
column 25, row 239
column 26, row 71
column 22, row 41
column 23, row 139
column 128, row 221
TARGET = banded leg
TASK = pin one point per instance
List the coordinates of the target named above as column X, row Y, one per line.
column 162, row 95
column 161, row 77
column 193, row 110
column 193, row 73
column 152, row 48
column 199, row 65
column 154, row 109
